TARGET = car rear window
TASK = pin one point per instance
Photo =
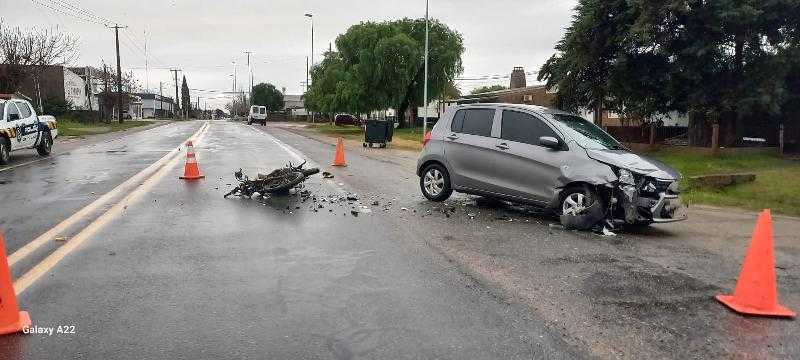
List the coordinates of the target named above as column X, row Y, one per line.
column 473, row 122
column 523, row 128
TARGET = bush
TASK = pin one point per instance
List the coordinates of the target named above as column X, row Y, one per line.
column 56, row 106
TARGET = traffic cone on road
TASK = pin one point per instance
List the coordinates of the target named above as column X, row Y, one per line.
column 191, row 171
column 11, row 319
column 756, row 291
column 338, row 159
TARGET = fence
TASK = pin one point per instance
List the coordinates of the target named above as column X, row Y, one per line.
column 641, row 134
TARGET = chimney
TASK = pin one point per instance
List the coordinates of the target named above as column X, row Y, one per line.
column 517, row 78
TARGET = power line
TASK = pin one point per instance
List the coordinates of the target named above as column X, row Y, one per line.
column 75, row 7
column 67, row 13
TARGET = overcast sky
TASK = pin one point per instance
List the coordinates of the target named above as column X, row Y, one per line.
column 204, row 37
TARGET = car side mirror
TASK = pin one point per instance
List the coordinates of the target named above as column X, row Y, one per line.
column 550, row 142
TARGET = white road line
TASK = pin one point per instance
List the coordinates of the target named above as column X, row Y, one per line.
column 27, row 279
column 296, row 154
column 126, row 186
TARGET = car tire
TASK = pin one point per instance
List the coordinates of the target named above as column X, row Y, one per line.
column 46, row 146
column 435, row 183
column 5, row 151
column 580, row 208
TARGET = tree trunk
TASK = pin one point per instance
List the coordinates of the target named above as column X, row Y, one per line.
column 699, row 129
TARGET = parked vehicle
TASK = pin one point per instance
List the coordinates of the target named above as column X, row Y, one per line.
column 21, row 128
column 258, row 114
column 345, row 119
column 545, row 157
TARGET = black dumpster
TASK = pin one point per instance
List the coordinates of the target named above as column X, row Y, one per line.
column 378, row 132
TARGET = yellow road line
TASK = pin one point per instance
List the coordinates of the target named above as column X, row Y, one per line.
column 126, row 186
column 27, row 279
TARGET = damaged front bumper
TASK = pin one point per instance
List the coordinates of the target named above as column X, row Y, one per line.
column 646, row 205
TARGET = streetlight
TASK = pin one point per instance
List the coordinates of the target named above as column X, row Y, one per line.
column 425, row 91
column 308, row 82
column 311, row 17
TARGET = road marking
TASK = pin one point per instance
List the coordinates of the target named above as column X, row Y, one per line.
column 297, row 155
column 287, row 148
column 27, row 279
column 23, row 164
column 126, row 186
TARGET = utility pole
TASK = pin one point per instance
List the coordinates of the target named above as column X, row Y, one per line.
column 307, row 83
column 175, row 103
column 425, row 96
column 250, row 72
column 105, row 90
column 116, row 28
column 161, row 96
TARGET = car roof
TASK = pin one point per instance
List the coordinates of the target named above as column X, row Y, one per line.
column 531, row 108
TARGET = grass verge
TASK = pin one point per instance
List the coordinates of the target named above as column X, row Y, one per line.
column 775, row 187
column 410, row 139
column 67, row 127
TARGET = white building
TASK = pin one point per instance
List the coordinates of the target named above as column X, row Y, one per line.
column 148, row 106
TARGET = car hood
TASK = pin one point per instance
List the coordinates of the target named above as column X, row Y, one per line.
column 636, row 163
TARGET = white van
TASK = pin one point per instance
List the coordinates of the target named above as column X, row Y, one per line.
column 258, row 114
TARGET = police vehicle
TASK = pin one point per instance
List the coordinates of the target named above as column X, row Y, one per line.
column 21, row 128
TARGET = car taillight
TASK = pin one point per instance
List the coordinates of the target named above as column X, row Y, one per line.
column 426, row 138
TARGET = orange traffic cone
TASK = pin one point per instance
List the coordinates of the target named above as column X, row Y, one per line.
column 338, row 160
column 11, row 319
column 756, row 291
column 191, row 171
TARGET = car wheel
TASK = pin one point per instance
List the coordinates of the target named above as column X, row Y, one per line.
column 580, row 208
column 435, row 183
column 5, row 151
column 46, row 146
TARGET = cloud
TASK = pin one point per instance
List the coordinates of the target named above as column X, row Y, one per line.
column 203, row 37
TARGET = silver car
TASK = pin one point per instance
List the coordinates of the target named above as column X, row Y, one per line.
column 545, row 157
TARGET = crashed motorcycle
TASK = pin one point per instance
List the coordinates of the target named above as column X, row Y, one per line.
column 278, row 182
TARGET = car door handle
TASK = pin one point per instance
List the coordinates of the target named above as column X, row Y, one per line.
column 453, row 137
column 502, row 146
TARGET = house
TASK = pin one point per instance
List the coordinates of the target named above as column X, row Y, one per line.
column 147, row 106
column 520, row 93
column 46, row 82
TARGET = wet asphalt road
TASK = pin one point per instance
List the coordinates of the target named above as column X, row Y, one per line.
column 184, row 273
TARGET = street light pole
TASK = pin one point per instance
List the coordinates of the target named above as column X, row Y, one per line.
column 425, row 96
column 308, row 67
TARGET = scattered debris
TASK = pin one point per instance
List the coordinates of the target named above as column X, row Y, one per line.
column 327, row 175
column 279, row 182
column 61, row 238
column 352, row 197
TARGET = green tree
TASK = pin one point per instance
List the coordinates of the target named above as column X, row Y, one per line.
column 381, row 65
column 719, row 61
column 186, row 100
column 268, row 95
column 586, row 55
column 486, row 89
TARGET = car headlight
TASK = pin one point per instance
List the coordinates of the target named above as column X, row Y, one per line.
column 626, row 177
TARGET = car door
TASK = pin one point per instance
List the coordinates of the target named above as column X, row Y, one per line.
column 14, row 123
column 469, row 149
column 530, row 171
column 28, row 128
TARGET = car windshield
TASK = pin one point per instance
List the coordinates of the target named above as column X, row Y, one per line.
column 586, row 134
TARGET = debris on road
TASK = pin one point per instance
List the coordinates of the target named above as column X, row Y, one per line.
column 278, row 182
column 327, row 175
